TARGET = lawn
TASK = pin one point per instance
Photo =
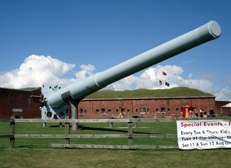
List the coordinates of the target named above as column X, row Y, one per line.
column 38, row 153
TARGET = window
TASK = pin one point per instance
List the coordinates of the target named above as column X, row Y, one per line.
column 85, row 111
column 117, row 110
column 177, row 109
column 162, row 109
column 128, row 110
column 168, row 109
column 109, row 110
column 97, row 110
column 142, row 109
column 137, row 110
column 102, row 110
column 157, row 109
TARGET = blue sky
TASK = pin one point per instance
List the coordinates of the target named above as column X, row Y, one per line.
column 61, row 41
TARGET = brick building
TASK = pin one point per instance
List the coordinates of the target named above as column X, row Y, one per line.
column 224, row 111
column 19, row 103
column 144, row 107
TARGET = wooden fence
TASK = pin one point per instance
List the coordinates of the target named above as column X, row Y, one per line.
column 67, row 134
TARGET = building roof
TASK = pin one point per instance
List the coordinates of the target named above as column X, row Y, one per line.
column 227, row 105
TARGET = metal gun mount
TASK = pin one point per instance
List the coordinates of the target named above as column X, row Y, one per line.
column 56, row 97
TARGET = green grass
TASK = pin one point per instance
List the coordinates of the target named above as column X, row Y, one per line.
column 174, row 92
column 26, row 157
column 29, row 89
column 38, row 153
column 89, row 128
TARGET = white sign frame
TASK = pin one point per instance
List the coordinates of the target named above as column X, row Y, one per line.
column 203, row 134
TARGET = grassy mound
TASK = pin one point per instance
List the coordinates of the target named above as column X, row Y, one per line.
column 28, row 89
column 174, row 92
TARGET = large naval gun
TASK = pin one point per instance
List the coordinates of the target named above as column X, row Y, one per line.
column 55, row 97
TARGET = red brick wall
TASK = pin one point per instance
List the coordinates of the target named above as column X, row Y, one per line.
column 28, row 101
column 162, row 107
column 19, row 102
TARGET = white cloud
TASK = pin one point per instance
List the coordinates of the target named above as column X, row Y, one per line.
column 205, row 75
column 190, row 76
column 149, row 79
column 224, row 94
column 123, row 84
column 186, row 62
column 87, row 71
column 36, row 70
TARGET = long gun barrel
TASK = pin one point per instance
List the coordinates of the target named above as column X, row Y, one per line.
column 80, row 89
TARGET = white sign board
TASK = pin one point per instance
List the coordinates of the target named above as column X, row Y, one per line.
column 203, row 134
column 17, row 110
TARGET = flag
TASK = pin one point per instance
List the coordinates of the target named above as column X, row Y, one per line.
column 164, row 73
column 160, row 82
column 167, row 84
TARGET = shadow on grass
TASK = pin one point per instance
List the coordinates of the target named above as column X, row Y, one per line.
column 87, row 128
column 112, row 130
column 81, row 127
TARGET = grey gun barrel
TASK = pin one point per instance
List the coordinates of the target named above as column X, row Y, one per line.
column 81, row 89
